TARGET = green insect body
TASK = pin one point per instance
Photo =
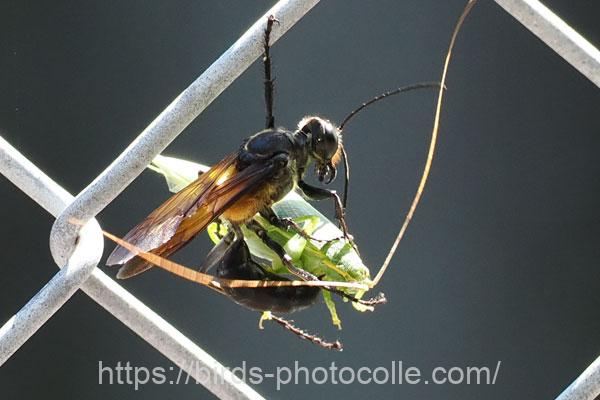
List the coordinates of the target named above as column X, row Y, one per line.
column 331, row 258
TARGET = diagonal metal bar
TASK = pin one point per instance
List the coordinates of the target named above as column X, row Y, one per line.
column 586, row 386
column 557, row 34
column 61, row 287
column 582, row 55
column 170, row 123
column 106, row 292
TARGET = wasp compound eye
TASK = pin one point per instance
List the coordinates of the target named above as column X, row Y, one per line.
column 326, row 144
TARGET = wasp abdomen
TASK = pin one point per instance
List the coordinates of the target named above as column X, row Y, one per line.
column 237, row 263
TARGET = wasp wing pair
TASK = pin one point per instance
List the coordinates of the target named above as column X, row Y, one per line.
column 187, row 213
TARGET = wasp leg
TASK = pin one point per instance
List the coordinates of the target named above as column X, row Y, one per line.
column 317, row 193
column 269, row 81
column 237, row 263
column 289, row 224
column 261, row 232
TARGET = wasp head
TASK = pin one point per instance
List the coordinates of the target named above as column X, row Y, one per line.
column 325, row 143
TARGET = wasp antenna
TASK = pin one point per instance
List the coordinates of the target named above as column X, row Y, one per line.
column 414, row 86
column 434, row 134
column 402, row 89
column 337, row 345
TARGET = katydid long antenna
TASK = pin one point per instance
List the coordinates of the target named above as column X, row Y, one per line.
column 217, row 283
column 433, row 142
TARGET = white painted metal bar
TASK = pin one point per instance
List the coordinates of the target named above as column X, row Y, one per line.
column 54, row 294
column 582, row 55
column 557, row 34
column 61, row 287
column 165, row 338
column 31, row 180
column 170, row 123
column 106, row 292
column 586, row 386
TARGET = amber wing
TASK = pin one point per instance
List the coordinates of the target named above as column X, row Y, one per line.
column 189, row 212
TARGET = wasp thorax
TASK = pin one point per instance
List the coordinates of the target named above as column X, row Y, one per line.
column 324, row 140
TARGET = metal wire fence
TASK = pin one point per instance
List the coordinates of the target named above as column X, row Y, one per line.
column 79, row 249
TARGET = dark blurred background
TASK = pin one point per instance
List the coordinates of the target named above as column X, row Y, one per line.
column 500, row 263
